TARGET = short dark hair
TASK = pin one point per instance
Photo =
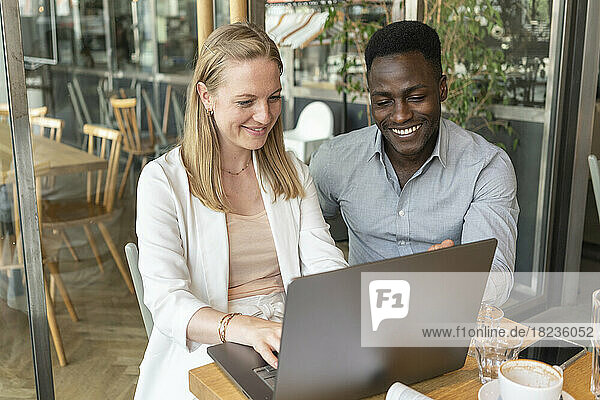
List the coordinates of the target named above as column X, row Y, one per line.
column 405, row 37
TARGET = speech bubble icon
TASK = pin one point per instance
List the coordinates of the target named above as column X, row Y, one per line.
column 389, row 299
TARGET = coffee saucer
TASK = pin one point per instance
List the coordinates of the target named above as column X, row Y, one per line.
column 491, row 391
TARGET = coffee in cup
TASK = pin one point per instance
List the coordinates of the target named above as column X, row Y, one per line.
column 530, row 379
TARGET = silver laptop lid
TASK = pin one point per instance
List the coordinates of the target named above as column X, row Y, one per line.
column 321, row 355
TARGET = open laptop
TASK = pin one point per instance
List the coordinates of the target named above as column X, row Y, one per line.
column 321, row 356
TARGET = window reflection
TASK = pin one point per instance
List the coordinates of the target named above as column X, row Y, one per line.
column 525, row 39
column 133, row 35
column 522, row 35
column 38, row 17
column 176, row 35
column 221, row 12
column 81, row 37
column 16, row 374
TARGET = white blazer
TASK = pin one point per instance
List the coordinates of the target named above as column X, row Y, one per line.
column 184, row 263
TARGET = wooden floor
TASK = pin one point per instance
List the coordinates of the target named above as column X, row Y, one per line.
column 104, row 348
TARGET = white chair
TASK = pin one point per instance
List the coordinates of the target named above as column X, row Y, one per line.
column 315, row 125
column 131, row 252
column 595, row 174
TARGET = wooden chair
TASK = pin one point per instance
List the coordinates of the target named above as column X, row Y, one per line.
column 133, row 143
column 33, row 112
column 171, row 97
column 98, row 206
column 49, row 127
column 52, row 266
column 50, row 315
column 38, row 111
column 52, row 128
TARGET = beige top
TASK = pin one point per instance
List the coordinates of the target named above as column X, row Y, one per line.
column 253, row 265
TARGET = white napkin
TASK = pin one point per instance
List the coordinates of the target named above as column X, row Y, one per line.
column 399, row 391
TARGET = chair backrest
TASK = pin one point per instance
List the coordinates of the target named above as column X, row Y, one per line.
column 104, row 143
column 124, row 110
column 315, row 121
column 595, row 175
column 33, row 112
column 38, row 111
column 54, row 127
column 152, row 120
column 131, row 252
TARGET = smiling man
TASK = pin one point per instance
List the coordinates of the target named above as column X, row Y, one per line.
column 415, row 181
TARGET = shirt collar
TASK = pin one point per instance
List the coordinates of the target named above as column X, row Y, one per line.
column 441, row 146
column 440, row 151
column 376, row 145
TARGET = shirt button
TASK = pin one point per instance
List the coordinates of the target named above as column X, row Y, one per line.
column 401, row 213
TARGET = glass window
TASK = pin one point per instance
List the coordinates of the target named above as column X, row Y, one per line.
column 524, row 38
column 39, row 18
column 176, row 35
column 318, row 53
column 221, row 11
column 133, row 46
column 16, row 374
column 65, row 32
column 89, row 38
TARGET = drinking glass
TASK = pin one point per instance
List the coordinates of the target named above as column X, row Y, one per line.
column 595, row 381
column 491, row 352
column 489, row 316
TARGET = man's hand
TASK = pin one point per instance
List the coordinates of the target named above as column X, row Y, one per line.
column 444, row 244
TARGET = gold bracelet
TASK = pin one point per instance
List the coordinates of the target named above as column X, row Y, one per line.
column 220, row 330
column 227, row 324
column 223, row 325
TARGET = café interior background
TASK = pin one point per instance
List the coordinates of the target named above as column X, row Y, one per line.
column 81, row 53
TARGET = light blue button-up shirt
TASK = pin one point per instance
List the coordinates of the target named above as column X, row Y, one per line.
column 465, row 191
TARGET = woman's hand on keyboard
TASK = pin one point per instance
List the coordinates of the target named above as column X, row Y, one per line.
column 264, row 336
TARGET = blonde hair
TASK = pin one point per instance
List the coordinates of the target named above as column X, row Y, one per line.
column 200, row 145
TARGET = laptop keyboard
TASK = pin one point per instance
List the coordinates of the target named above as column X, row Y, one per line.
column 267, row 374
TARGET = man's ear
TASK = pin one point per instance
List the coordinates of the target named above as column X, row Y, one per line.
column 205, row 97
column 443, row 88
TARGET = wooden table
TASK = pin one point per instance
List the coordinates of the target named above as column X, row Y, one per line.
column 50, row 158
column 209, row 383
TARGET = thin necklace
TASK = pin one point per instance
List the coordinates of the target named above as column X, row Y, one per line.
column 237, row 173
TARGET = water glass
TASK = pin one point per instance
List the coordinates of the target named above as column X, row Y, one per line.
column 492, row 352
column 595, row 382
column 489, row 316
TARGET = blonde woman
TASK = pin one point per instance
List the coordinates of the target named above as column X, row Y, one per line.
column 226, row 220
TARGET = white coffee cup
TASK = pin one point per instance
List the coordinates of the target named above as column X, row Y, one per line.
column 530, row 379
